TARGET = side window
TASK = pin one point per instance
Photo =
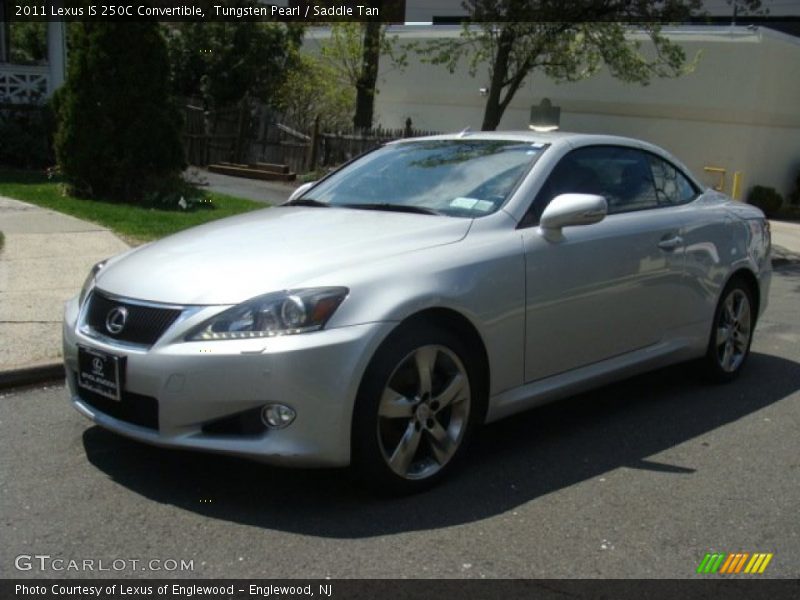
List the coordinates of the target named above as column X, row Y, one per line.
column 622, row 175
column 672, row 187
column 632, row 187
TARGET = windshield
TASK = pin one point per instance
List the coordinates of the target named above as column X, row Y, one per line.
column 463, row 178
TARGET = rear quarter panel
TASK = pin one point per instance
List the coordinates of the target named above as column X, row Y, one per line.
column 722, row 237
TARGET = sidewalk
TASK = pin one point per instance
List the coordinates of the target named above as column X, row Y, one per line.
column 47, row 256
column 44, row 261
column 785, row 242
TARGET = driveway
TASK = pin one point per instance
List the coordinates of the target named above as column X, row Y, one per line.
column 269, row 192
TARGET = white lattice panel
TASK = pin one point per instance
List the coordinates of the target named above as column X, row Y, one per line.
column 22, row 85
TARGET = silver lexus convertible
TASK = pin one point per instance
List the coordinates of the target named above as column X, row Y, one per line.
column 432, row 285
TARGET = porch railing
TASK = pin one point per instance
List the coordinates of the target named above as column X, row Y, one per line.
column 23, row 84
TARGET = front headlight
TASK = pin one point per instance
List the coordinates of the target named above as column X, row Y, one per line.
column 89, row 283
column 278, row 313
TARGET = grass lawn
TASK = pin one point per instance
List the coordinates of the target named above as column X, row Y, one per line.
column 134, row 223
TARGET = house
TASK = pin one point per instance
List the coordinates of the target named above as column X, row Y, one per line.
column 30, row 83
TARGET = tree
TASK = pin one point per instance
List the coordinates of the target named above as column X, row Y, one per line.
column 566, row 41
column 28, row 42
column 354, row 51
column 225, row 62
column 118, row 135
column 313, row 88
column 368, row 76
column 746, row 7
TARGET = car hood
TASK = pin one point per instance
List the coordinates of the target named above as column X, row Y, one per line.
column 234, row 259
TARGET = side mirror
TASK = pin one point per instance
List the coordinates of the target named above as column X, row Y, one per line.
column 301, row 190
column 573, row 209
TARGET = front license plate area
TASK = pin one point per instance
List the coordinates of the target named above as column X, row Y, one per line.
column 100, row 372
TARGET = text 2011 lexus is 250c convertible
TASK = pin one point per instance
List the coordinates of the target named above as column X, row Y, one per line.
column 383, row 313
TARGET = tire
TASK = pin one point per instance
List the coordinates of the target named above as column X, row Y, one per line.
column 731, row 333
column 417, row 407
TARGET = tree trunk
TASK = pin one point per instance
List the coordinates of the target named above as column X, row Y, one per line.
column 365, row 85
column 494, row 109
column 313, row 147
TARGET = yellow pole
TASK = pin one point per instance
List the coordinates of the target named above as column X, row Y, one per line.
column 737, row 185
column 719, row 171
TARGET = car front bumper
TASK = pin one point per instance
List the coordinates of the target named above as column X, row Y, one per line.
column 192, row 384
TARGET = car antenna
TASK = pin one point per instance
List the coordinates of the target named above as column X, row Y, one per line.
column 465, row 131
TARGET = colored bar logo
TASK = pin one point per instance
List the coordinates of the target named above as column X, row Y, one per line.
column 734, row 563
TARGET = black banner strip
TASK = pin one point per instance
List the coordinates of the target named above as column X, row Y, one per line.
column 311, row 12
column 711, row 588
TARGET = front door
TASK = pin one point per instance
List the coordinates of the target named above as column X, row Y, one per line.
column 605, row 289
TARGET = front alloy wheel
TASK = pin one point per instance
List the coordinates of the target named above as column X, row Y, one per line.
column 423, row 412
column 420, row 398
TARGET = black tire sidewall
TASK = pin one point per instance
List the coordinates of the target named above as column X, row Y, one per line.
column 367, row 458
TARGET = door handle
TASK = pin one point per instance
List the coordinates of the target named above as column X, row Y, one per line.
column 670, row 243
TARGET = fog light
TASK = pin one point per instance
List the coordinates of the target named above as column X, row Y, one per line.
column 277, row 416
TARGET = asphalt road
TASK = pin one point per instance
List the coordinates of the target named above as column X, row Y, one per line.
column 639, row 479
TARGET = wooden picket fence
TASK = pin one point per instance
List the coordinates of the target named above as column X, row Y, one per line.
column 253, row 134
column 304, row 152
column 336, row 148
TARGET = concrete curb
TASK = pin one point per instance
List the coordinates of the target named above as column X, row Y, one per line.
column 31, row 375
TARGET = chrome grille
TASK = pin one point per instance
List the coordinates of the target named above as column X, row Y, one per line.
column 144, row 324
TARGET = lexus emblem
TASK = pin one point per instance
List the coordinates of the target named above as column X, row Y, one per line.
column 115, row 320
column 97, row 366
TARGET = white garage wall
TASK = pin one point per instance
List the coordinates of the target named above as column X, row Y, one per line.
column 739, row 109
column 426, row 10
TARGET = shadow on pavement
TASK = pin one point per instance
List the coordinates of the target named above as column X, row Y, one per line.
column 789, row 271
column 511, row 462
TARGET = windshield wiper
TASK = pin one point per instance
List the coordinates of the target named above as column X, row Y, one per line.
column 407, row 208
column 306, row 202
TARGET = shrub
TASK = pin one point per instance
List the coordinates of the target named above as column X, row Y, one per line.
column 314, row 175
column 27, row 134
column 794, row 196
column 765, row 198
column 179, row 195
column 119, row 132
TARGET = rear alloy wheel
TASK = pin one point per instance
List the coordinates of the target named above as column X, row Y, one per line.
column 732, row 334
column 415, row 410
